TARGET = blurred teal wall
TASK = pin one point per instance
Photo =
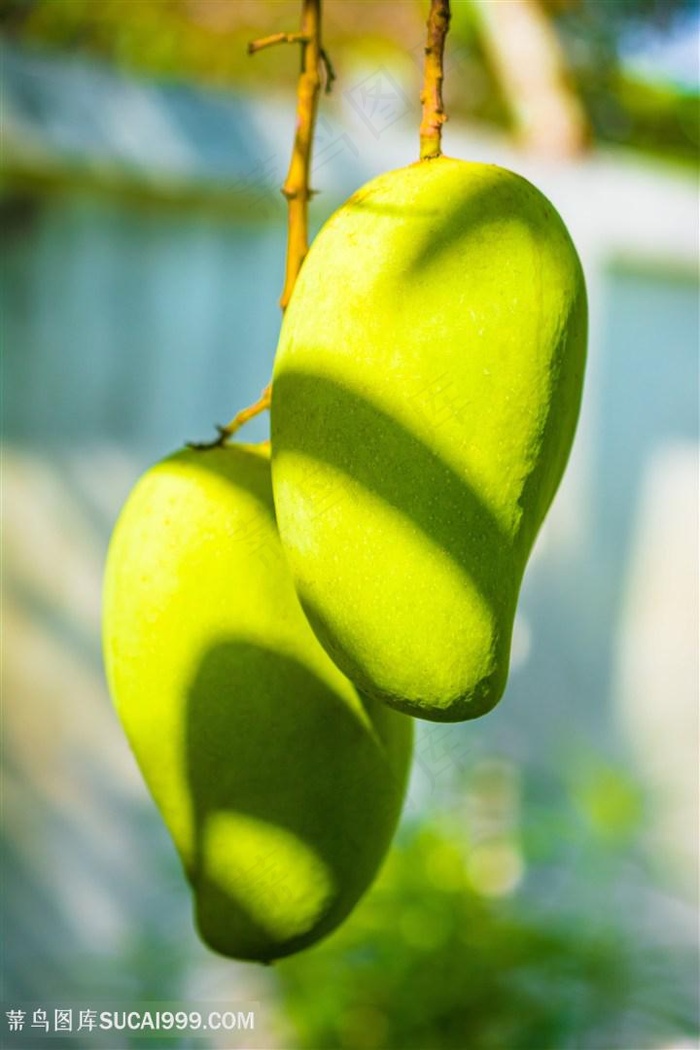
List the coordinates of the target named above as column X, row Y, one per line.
column 132, row 325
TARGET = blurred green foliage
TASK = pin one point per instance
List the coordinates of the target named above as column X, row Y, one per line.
column 206, row 41
column 429, row 961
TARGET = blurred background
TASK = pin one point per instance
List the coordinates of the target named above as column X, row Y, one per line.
column 543, row 888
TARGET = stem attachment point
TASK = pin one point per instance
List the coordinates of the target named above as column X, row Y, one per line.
column 242, row 417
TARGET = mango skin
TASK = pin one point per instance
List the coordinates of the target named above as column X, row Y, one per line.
column 425, row 396
column 280, row 785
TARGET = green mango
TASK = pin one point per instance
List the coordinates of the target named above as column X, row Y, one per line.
column 425, row 395
column 280, row 785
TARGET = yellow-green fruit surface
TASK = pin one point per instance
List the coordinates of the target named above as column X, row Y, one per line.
column 425, row 396
column 281, row 786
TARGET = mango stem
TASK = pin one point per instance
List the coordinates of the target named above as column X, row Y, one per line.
column 434, row 115
column 225, row 433
column 296, row 188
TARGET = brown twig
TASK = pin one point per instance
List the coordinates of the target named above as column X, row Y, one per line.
column 227, row 432
column 296, row 185
column 296, row 188
column 434, row 115
column 275, row 38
